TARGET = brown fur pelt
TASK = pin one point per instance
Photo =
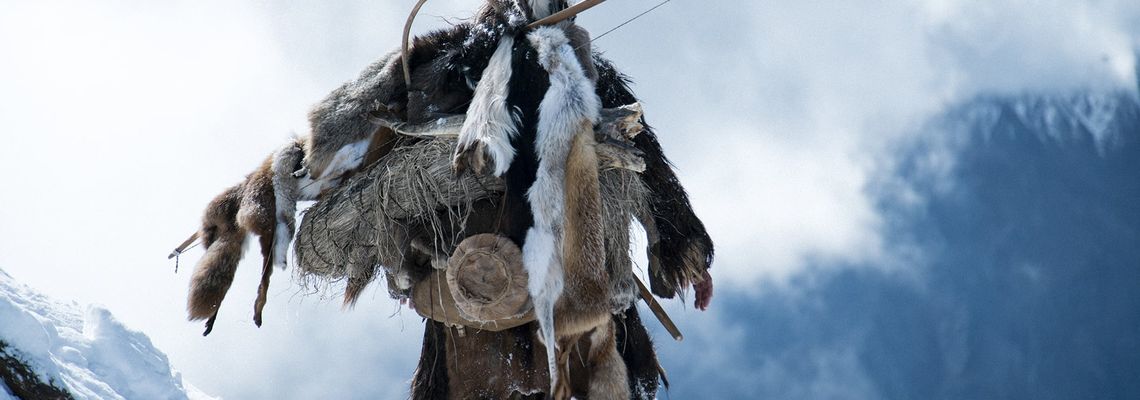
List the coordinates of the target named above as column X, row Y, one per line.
column 587, row 283
column 224, row 241
column 607, row 372
column 248, row 207
column 582, row 312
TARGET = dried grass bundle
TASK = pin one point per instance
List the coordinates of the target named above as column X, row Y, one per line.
column 409, row 203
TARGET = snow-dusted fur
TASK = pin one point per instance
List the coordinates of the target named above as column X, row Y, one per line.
column 490, row 125
column 541, row 8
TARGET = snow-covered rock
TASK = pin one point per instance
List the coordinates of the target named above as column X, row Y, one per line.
column 85, row 351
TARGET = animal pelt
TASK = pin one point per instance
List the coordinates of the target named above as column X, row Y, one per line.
column 257, row 214
column 608, row 373
column 637, row 352
column 224, row 241
column 431, row 379
column 491, row 124
column 680, row 249
column 539, row 9
column 340, row 137
column 264, row 205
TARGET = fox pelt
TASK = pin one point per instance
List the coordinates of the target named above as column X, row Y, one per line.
column 264, row 205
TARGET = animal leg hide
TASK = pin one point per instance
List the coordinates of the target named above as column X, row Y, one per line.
column 224, row 241
column 608, row 373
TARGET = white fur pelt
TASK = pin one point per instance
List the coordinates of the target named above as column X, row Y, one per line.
column 490, row 125
column 568, row 102
column 286, row 193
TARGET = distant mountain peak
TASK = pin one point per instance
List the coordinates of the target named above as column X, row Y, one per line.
column 1104, row 117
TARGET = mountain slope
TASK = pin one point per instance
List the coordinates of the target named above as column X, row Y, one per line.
column 88, row 354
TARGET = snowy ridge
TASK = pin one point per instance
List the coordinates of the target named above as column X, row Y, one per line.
column 1053, row 118
column 89, row 353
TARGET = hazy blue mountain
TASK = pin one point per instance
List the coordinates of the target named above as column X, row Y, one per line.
column 1027, row 287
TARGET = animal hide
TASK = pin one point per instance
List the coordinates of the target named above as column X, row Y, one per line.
column 490, row 125
column 224, row 241
column 683, row 250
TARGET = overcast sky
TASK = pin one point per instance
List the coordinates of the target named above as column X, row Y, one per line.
column 120, row 120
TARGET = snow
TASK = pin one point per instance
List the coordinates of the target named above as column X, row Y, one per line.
column 85, row 350
column 1060, row 117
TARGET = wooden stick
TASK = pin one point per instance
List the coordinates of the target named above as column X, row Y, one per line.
column 564, row 14
column 658, row 311
column 182, row 247
column 404, row 44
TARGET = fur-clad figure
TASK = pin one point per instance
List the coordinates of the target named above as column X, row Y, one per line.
column 531, row 98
